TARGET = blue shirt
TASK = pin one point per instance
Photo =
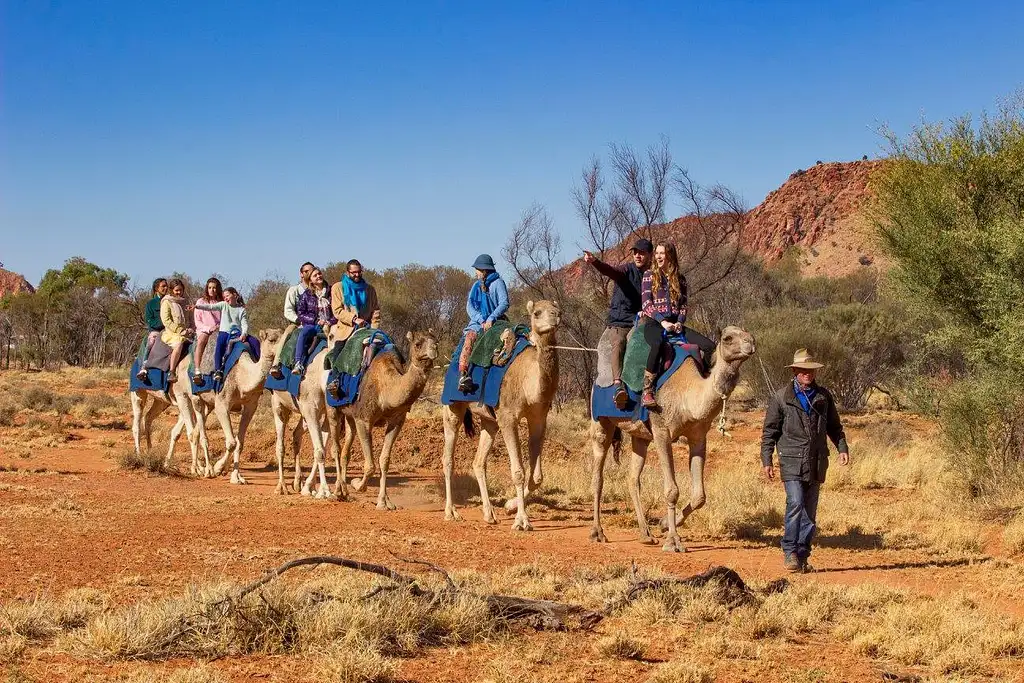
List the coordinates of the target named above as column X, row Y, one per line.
column 805, row 396
column 497, row 295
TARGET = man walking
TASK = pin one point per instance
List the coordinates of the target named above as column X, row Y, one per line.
column 800, row 416
column 625, row 304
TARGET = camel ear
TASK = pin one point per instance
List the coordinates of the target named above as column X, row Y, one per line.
column 408, row 335
column 718, row 333
column 262, row 335
column 529, row 307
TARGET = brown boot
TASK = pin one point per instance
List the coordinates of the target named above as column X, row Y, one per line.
column 648, row 399
column 621, row 397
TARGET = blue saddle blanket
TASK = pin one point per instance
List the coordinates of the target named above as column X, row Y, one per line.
column 602, row 399
column 251, row 345
column 348, row 391
column 156, row 379
column 290, row 382
column 486, row 381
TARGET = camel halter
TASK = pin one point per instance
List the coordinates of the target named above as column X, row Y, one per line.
column 721, row 418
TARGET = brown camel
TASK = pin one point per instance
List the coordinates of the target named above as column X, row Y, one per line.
column 526, row 392
column 242, row 390
column 386, row 395
column 689, row 405
column 147, row 405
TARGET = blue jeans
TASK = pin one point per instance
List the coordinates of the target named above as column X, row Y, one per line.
column 220, row 350
column 801, row 515
column 306, row 335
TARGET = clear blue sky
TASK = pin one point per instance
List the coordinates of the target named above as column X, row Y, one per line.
column 245, row 137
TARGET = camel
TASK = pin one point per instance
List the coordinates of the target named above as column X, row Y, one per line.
column 526, row 392
column 243, row 387
column 148, row 404
column 386, row 395
column 689, row 405
column 311, row 406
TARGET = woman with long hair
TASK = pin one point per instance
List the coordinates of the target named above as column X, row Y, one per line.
column 233, row 324
column 315, row 315
column 663, row 310
column 177, row 331
column 207, row 319
column 153, row 324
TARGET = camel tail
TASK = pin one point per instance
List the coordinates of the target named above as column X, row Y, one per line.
column 467, row 423
column 616, row 445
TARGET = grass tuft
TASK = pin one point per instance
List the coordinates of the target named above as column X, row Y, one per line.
column 620, row 646
column 356, row 665
column 682, row 672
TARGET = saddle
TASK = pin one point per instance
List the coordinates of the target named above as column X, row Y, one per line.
column 637, row 349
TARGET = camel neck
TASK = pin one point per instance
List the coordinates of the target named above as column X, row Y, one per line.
column 409, row 383
column 547, row 360
column 723, row 379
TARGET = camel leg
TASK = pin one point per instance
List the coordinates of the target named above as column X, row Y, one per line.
column 311, row 414
column 451, row 419
column 515, row 459
column 365, row 434
column 393, row 430
column 222, row 410
column 638, row 459
column 248, row 410
column 280, row 424
column 297, row 431
column 200, row 440
column 184, row 421
column 488, row 429
column 537, row 426
column 138, row 407
column 334, row 426
column 155, row 409
column 346, row 449
column 697, row 497
column 600, row 441
column 663, row 445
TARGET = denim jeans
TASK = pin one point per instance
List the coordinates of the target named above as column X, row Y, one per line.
column 801, row 515
column 306, row 335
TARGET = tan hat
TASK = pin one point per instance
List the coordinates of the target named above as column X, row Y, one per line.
column 803, row 360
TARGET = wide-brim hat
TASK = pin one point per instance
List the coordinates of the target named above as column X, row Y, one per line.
column 804, row 360
column 484, row 262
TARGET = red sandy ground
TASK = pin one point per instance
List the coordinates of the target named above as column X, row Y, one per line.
column 138, row 536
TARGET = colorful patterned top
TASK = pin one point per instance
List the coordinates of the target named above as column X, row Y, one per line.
column 655, row 303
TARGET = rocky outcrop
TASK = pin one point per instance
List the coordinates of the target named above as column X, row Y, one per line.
column 13, row 283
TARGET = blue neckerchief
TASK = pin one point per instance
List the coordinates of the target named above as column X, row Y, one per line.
column 478, row 296
column 804, row 396
column 355, row 293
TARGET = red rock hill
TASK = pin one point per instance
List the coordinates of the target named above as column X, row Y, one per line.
column 13, row 283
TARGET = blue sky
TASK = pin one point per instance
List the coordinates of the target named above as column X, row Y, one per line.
column 246, row 137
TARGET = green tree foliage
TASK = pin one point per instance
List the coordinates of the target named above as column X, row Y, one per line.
column 950, row 211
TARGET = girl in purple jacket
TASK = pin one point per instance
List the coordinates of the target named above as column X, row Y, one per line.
column 315, row 314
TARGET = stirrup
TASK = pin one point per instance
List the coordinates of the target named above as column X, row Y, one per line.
column 466, row 384
column 334, row 389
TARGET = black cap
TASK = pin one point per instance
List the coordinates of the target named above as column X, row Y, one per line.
column 643, row 245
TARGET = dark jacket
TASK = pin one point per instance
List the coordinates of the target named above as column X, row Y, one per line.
column 309, row 310
column 800, row 438
column 152, row 316
column 625, row 302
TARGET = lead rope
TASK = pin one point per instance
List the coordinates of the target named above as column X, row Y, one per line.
column 721, row 418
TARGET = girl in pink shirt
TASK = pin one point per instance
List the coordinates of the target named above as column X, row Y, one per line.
column 207, row 322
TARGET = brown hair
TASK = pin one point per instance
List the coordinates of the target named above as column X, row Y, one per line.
column 676, row 281
column 239, row 301
column 219, row 296
column 176, row 282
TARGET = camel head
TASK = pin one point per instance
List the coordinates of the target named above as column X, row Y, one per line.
column 544, row 316
column 735, row 344
column 422, row 347
column 268, row 340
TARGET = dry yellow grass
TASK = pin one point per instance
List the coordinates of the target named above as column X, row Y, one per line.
column 1013, row 535
column 620, row 646
column 682, row 672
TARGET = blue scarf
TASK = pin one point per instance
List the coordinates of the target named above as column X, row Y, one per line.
column 805, row 396
column 478, row 297
column 355, row 293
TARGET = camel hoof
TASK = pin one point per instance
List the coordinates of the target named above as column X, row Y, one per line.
column 305, row 491
column 341, row 493
column 647, row 539
column 522, row 525
column 281, row 490
column 673, row 545
column 386, row 504
column 597, row 535
column 511, row 506
column 489, row 517
column 452, row 515
column 237, row 478
column 359, row 483
column 323, row 493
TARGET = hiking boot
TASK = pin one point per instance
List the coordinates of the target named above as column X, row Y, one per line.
column 199, row 379
column 142, row 375
column 466, row 384
column 621, row 397
column 648, row 400
column 298, row 368
column 806, row 567
column 334, row 389
column 172, row 377
column 275, row 371
column 793, row 563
